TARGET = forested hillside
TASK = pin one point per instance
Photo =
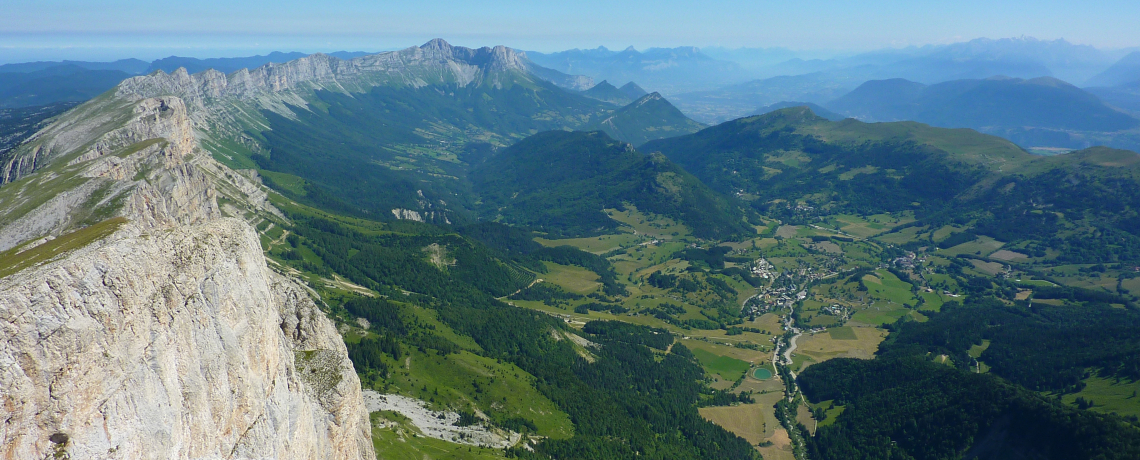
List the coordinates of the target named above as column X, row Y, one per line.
column 561, row 182
column 623, row 399
column 909, row 408
column 650, row 117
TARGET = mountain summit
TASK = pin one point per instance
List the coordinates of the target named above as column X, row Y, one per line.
column 649, row 118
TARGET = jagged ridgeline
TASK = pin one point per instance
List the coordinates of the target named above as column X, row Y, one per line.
column 560, row 182
column 1084, row 205
column 386, row 135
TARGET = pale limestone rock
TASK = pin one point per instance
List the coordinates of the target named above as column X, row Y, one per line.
column 170, row 338
column 177, row 343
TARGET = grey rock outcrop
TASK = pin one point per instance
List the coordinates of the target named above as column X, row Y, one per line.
column 168, row 336
column 434, row 62
column 172, row 344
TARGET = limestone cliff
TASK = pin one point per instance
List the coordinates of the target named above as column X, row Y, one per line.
column 282, row 87
column 434, row 62
column 137, row 320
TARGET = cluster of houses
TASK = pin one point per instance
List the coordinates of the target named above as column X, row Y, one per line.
column 763, row 269
column 908, row 261
column 836, row 310
column 786, row 289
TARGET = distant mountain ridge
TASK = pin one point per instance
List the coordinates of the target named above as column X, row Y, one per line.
column 668, row 70
column 413, row 67
column 61, row 83
column 1037, row 112
column 735, row 101
column 1123, row 72
column 130, row 66
column 821, row 80
column 227, row 65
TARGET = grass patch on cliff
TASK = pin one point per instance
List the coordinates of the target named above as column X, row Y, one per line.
column 398, row 443
column 14, row 260
column 139, row 146
column 458, row 381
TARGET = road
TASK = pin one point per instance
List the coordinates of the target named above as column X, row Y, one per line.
column 791, row 342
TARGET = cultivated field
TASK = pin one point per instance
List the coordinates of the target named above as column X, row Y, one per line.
column 841, row 342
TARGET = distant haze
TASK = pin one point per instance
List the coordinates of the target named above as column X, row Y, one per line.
column 115, row 29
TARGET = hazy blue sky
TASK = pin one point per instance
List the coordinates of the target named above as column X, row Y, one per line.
column 54, row 29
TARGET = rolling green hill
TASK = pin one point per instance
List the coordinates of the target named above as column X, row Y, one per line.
column 559, row 182
column 778, row 158
column 815, row 108
column 649, row 118
column 1084, row 205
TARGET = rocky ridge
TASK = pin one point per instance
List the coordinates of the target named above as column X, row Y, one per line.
column 272, row 86
column 138, row 318
column 227, row 106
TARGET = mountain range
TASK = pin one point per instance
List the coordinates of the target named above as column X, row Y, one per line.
column 47, row 82
column 316, row 258
column 227, row 65
column 1037, row 112
column 665, row 70
column 1123, row 72
column 821, row 80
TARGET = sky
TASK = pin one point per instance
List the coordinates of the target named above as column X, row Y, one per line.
column 114, row 29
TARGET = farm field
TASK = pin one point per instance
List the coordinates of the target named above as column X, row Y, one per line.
column 1109, row 396
column 744, row 420
column 596, row 244
column 573, row 279
column 842, row 342
column 649, row 224
column 982, row 246
column 878, row 315
column 729, row 369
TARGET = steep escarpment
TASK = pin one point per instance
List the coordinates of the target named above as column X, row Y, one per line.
column 175, row 344
column 138, row 317
column 436, row 62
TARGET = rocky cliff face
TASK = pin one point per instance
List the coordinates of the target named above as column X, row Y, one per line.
column 173, row 344
column 434, row 62
column 137, row 321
